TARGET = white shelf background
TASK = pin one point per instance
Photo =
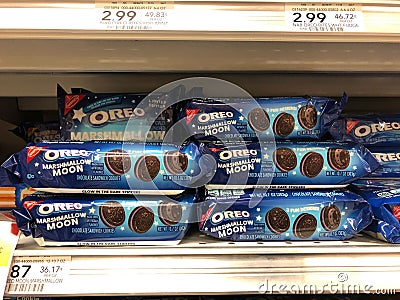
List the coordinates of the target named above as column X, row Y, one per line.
column 203, row 265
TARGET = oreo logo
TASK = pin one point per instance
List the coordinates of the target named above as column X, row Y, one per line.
column 100, row 117
column 364, row 130
column 205, row 117
column 229, row 215
column 228, row 154
column 47, row 209
column 52, row 155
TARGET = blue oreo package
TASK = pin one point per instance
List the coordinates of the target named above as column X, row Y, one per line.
column 105, row 220
column 88, row 116
column 385, row 204
column 369, row 130
column 36, row 132
column 389, row 158
column 294, row 118
column 105, row 167
column 285, row 164
column 276, row 215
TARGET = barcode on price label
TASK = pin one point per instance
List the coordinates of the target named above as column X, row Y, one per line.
column 26, row 287
column 324, row 17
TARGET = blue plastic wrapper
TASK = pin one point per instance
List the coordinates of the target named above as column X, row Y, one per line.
column 369, row 130
column 104, row 167
column 286, row 164
column 104, row 220
column 389, row 158
column 295, row 118
column 88, row 116
column 259, row 215
column 385, row 204
column 36, row 132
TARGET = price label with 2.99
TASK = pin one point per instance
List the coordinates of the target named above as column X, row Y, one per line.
column 324, row 17
column 133, row 15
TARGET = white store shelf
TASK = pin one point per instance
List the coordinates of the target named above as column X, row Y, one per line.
column 209, row 266
column 255, row 40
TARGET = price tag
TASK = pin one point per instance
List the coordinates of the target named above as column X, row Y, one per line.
column 133, row 15
column 8, row 241
column 324, row 17
column 37, row 275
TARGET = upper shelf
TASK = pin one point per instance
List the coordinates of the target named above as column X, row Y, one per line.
column 37, row 36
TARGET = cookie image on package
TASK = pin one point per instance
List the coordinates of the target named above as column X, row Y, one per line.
column 285, row 159
column 307, row 117
column 277, row 220
column 284, row 124
column 338, row 158
column 258, row 119
column 147, row 167
column 141, row 219
column 304, row 226
column 175, row 162
column 311, row 164
column 330, row 217
column 117, row 161
column 112, row 213
column 169, row 213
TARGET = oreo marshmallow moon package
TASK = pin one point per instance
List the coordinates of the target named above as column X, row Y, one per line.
column 389, row 158
column 105, row 167
column 260, row 215
column 294, row 118
column 369, row 130
column 88, row 116
column 104, row 220
column 286, row 164
column 385, row 204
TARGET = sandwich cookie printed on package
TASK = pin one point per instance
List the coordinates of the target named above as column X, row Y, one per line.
column 294, row 118
column 105, row 220
column 276, row 215
column 105, row 167
column 286, row 164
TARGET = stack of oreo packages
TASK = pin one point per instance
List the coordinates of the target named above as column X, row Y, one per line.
column 110, row 180
column 381, row 135
column 272, row 176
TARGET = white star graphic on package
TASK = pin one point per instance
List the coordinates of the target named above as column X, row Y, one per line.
column 241, row 118
column 184, row 208
column 287, row 234
column 97, row 157
column 122, row 228
column 325, row 168
column 191, row 171
column 318, row 113
column 79, row 114
column 206, row 229
column 92, row 210
column 39, row 172
column 343, row 213
column 294, row 172
column 162, row 172
column 319, row 229
column 296, row 128
column 127, row 176
column 258, row 209
column 258, row 218
column 133, row 101
column 354, row 167
column 266, row 156
column 156, row 223
column 193, row 126
column 345, row 226
column 36, row 164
